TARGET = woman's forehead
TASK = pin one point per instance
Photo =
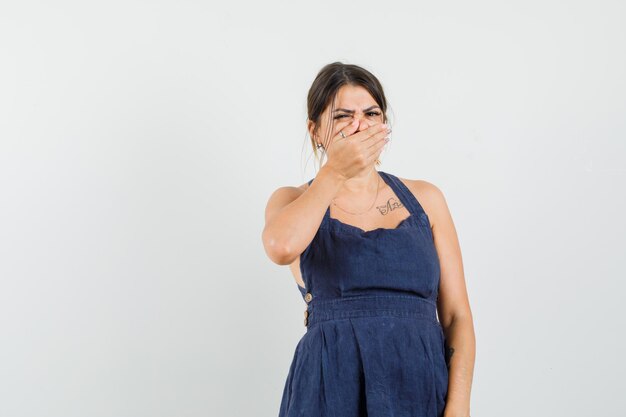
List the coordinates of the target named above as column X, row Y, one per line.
column 353, row 95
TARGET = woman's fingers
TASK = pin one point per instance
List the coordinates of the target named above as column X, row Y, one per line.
column 351, row 128
column 377, row 148
column 381, row 134
column 373, row 132
column 347, row 130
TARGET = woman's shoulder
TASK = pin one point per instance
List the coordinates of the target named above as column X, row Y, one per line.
column 287, row 192
column 428, row 194
column 280, row 198
column 304, row 186
column 421, row 186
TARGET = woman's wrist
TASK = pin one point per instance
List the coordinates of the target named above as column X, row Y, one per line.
column 332, row 175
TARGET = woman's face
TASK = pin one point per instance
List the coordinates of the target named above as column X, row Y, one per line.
column 352, row 102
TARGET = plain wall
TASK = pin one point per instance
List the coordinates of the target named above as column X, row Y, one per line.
column 140, row 141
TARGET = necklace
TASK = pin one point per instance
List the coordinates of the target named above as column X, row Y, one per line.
column 374, row 202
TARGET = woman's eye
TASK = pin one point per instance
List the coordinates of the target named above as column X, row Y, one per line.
column 372, row 113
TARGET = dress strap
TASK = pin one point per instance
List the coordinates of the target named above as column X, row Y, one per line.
column 402, row 191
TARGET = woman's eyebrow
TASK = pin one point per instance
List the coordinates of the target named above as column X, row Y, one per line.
column 352, row 111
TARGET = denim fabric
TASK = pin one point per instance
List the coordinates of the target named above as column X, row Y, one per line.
column 373, row 346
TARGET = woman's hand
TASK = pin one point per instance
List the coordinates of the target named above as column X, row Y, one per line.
column 357, row 151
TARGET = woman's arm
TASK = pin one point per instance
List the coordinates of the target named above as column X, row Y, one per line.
column 453, row 305
column 292, row 216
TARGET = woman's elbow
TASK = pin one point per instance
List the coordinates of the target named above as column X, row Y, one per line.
column 277, row 250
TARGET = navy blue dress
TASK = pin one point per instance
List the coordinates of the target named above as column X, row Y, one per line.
column 373, row 346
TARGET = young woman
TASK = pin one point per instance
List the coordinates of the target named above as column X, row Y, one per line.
column 377, row 260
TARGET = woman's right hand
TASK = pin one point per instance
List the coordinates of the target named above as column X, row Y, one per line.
column 350, row 155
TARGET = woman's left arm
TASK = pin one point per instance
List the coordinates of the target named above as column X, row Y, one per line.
column 453, row 304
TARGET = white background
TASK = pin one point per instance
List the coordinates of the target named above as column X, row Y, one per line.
column 140, row 141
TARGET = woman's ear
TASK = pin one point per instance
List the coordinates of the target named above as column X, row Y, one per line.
column 311, row 128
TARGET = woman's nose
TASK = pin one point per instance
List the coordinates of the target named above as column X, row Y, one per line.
column 364, row 121
column 363, row 124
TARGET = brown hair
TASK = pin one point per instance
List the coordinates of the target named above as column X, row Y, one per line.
column 327, row 83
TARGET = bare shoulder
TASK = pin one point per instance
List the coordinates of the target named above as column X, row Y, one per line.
column 281, row 197
column 430, row 197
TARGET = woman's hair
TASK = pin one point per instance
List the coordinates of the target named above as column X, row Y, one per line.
column 327, row 83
